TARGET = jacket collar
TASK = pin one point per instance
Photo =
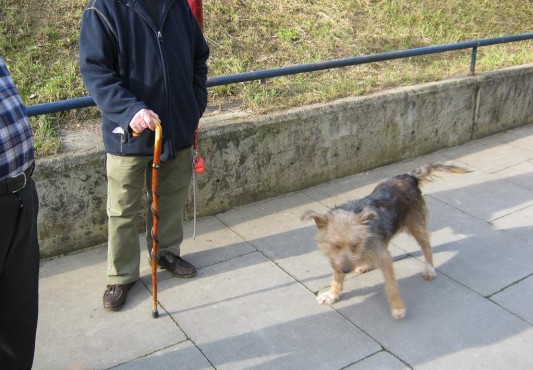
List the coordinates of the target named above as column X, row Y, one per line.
column 139, row 6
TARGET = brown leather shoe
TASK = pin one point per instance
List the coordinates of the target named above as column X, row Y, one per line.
column 115, row 296
column 177, row 266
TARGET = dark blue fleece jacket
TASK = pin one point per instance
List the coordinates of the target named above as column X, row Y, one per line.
column 128, row 63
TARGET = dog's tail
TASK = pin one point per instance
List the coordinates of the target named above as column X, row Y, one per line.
column 426, row 172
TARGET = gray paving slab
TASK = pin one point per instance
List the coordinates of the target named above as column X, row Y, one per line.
column 447, row 325
column 518, row 224
column 518, row 299
column 490, row 154
column 214, row 243
column 75, row 332
column 297, row 253
column 183, row 356
column 380, row 361
column 349, row 188
column 283, row 237
column 520, row 174
column 267, row 218
column 471, row 251
column 248, row 313
column 479, row 194
column 521, row 137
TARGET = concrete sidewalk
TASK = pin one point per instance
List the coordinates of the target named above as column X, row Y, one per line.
column 253, row 302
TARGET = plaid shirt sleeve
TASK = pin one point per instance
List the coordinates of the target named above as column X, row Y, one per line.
column 16, row 137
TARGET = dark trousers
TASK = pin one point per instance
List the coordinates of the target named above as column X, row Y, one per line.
column 19, row 277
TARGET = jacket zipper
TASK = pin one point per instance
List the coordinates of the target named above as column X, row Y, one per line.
column 165, row 76
column 160, row 40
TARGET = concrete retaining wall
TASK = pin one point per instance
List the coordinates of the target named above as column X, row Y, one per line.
column 254, row 158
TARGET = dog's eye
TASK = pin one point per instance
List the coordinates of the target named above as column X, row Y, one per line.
column 354, row 247
column 337, row 247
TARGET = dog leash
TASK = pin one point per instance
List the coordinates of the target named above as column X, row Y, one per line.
column 198, row 165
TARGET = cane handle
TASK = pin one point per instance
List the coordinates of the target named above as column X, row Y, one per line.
column 157, row 123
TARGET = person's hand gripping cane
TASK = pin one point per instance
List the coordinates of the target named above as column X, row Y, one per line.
column 142, row 120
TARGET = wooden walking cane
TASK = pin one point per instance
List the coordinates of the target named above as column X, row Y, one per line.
column 155, row 212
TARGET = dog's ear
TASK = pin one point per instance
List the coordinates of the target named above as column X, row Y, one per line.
column 321, row 221
column 367, row 214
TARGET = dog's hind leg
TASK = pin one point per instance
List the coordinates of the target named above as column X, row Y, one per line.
column 396, row 304
column 334, row 291
column 421, row 235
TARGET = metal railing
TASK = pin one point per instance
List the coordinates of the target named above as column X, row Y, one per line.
column 84, row 102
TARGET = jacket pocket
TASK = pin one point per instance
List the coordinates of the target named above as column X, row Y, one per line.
column 123, row 137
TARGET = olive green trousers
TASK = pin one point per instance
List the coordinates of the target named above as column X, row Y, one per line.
column 127, row 177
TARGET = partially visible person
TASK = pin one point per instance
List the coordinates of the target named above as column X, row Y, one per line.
column 144, row 61
column 19, row 247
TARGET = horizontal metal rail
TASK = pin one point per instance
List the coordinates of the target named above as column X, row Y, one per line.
column 84, row 102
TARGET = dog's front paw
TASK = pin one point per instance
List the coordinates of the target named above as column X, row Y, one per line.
column 326, row 298
column 398, row 313
column 429, row 273
column 362, row 269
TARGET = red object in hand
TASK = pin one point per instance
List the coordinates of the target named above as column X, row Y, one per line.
column 199, row 165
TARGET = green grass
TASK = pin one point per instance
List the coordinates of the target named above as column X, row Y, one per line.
column 39, row 40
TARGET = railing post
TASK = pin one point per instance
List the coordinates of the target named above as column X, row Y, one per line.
column 473, row 60
column 196, row 6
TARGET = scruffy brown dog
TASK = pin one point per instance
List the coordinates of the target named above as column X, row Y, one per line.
column 355, row 235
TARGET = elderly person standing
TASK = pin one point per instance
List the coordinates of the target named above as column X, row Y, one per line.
column 142, row 61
